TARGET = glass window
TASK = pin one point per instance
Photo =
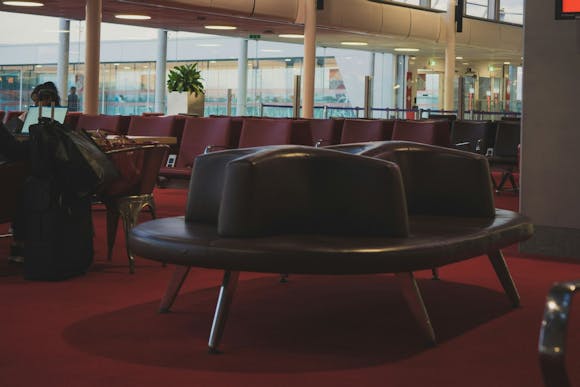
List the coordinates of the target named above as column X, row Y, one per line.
column 511, row 11
column 477, row 8
column 440, row 4
column 410, row 2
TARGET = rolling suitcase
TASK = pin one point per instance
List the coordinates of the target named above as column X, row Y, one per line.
column 59, row 231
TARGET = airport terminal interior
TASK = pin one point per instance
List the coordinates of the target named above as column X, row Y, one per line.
column 289, row 193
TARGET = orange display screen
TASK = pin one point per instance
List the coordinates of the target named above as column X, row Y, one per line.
column 570, row 6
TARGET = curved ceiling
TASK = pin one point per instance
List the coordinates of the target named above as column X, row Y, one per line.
column 382, row 26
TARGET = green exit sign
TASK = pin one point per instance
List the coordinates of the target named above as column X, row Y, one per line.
column 254, row 36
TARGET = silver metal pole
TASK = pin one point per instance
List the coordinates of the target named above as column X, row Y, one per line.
column 368, row 96
column 160, row 70
column 63, row 59
column 296, row 100
column 461, row 98
column 242, row 93
column 229, row 103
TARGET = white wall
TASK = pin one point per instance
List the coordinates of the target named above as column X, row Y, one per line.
column 550, row 188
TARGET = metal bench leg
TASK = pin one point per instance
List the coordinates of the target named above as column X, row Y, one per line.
column 226, row 294
column 412, row 295
column 435, row 273
column 172, row 290
column 504, row 276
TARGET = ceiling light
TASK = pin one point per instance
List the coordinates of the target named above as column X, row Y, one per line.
column 133, row 17
column 459, row 57
column 506, row 63
column 291, row 36
column 406, row 49
column 354, row 43
column 209, row 45
column 23, row 3
column 270, row 50
column 220, row 27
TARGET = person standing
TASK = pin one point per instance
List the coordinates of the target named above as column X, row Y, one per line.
column 73, row 100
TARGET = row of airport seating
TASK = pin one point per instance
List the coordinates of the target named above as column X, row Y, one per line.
column 194, row 135
column 197, row 135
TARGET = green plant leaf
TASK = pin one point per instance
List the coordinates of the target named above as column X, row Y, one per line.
column 185, row 78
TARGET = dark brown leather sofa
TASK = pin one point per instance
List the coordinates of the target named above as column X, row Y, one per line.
column 295, row 209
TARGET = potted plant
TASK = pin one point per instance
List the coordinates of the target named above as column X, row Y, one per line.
column 186, row 91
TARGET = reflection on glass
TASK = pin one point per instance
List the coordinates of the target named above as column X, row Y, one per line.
column 511, row 11
column 477, row 8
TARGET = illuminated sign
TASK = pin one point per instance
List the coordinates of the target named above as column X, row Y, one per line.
column 567, row 9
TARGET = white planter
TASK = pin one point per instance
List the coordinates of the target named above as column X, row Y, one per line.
column 185, row 103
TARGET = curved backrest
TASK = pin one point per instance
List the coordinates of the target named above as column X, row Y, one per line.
column 305, row 190
column 472, row 133
column 72, row 119
column 200, row 132
column 434, row 132
column 263, row 132
column 103, row 122
column 207, row 183
column 138, row 169
column 507, row 139
column 326, row 131
column 152, row 126
column 12, row 114
column 366, row 130
column 440, row 181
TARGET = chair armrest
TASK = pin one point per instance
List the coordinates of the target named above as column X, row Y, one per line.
column 462, row 145
column 552, row 342
column 211, row 148
column 318, row 143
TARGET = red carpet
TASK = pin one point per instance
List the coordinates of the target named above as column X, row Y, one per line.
column 102, row 329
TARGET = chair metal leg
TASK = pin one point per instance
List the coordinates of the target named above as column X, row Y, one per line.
column 112, row 223
column 226, row 294
column 172, row 290
column 152, row 206
column 503, row 274
column 412, row 295
column 129, row 208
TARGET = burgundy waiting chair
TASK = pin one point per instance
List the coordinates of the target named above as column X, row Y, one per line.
column 12, row 176
column 152, row 126
column 12, row 114
column 132, row 191
column 506, row 154
column 326, row 131
column 433, row 132
column 106, row 123
column 366, row 130
column 72, row 118
column 262, row 132
column 471, row 136
column 202, row 135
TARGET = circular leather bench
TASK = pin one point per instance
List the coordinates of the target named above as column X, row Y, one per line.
column 229, row 223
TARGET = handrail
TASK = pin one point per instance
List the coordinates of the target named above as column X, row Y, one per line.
column 552, row 341
column 418, row 113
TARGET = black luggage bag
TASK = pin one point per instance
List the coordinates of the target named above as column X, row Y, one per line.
column 67, row 168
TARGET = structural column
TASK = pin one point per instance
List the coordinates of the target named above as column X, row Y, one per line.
column 92, row 55
column 449, row 58
column 242, row 78
column 160, row 70
column 63, row 60
column 309, row 58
